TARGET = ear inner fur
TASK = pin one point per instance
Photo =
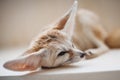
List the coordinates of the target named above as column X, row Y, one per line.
column 67, row 22
column 61, row 23
column 27, row 62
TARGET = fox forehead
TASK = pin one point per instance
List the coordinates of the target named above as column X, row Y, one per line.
column 42, row 41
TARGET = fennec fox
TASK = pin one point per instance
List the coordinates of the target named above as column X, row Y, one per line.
column 76, row 35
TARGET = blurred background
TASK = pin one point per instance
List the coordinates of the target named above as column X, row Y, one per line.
column 22, row 20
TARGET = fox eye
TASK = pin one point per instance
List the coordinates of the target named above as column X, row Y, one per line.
column 62, row 53
column 72, row 45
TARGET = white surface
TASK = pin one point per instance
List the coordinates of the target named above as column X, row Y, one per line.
column 109, row 62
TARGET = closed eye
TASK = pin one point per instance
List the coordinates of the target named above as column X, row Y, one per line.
column 62, row 53
column 73, row 46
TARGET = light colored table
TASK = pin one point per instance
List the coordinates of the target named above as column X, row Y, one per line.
column 105, row 67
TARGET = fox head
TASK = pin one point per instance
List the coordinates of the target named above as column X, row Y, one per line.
column 51, row 48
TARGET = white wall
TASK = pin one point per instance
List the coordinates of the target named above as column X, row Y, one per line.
column 21, row 20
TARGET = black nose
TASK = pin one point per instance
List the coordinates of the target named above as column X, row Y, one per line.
column 82, row 55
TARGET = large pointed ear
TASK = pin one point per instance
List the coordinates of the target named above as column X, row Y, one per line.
column 67, row 22
column 26, row 63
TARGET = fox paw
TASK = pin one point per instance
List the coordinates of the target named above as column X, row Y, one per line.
column 90, row 54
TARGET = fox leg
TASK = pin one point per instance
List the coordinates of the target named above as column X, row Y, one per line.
column 101, row 47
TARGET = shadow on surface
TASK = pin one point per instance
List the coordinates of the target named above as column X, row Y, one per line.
column 50, row 70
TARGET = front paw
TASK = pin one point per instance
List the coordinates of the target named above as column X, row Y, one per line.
column 90, row 54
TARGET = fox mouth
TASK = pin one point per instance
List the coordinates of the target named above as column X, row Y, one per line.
column 72, row 60
column 68, row 61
